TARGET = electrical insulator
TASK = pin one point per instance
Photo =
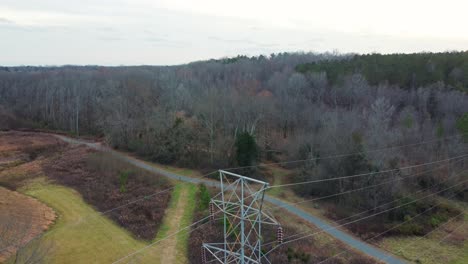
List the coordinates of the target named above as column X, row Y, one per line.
column 203, row 255
column 279, row 235
column 211, row 211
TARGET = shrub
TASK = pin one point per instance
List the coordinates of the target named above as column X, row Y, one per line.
column 411, row 228
column 123, row 178
column 204, row 197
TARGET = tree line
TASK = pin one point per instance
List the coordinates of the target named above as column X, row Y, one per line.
column 244, row 110
column 403, row 70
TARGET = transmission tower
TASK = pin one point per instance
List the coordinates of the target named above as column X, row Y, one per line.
column 241, row 202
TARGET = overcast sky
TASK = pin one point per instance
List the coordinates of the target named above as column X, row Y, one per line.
column 162, row 32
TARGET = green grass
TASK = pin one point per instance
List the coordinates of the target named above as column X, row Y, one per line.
column 427, row 250
column 187, row 219
column 164, row 229
column 81, row 234
column 430, row 249
column 279, row 175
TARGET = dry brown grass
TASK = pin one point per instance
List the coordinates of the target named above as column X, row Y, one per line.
column 22, row 155
column 11, row 142
column 22, row 218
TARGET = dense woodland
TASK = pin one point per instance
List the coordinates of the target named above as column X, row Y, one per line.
column 242, row 111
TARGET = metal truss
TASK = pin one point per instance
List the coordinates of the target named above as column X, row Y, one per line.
column 241, row 201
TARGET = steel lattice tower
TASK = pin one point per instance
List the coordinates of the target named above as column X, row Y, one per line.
column 241, row 201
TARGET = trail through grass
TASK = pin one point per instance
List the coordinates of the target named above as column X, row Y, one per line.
column 179, row 215
column 279, row 174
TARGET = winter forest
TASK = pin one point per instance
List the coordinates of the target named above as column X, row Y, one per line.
column 245, row 111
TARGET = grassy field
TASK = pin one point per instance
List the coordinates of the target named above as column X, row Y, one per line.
column 81, row 234
column 447, row 244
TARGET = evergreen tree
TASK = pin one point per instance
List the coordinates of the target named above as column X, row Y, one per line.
column 246, row 149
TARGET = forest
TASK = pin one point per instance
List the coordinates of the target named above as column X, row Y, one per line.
column 246, row 111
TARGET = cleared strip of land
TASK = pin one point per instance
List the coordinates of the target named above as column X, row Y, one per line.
column 179, row 214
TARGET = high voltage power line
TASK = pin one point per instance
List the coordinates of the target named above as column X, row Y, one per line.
column 443, row 238
column 146, row 197
column 394, row 227
column 367, row 187
column 366, row 174
column 164, row 238
column 432, row 231
column 285, row 162
column 382, row 205
column 366, row 217
column 289, row 241
column 90, row 216
column 336, row 156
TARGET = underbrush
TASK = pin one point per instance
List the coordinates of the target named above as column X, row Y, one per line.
column 23, row 163
column 413, row 218
column 106, row 183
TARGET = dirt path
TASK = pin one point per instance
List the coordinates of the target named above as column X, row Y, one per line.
column 173, row 221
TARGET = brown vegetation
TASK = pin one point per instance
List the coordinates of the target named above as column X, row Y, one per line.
column 22, row 218
column 101, row 179
column 417, row 218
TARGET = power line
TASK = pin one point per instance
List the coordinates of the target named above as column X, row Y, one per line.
column 363, row 188
column 382, row 205
column 366, row 217
column 205, row 175
column 432, row 231
column 343, row 155
column 202, row 176
column 366, row 174
column 445, row 237
column 90, row 216
column 388, row 230
column 164, row 238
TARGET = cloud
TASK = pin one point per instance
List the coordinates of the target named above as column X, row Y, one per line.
column 106, row 29
column 166, row 42
column 6, row 21
column 239, row 40
column 157, row 39
column 110, row 38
